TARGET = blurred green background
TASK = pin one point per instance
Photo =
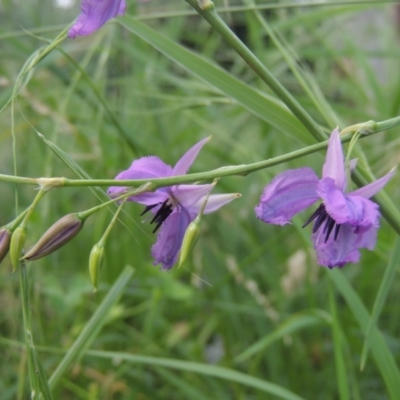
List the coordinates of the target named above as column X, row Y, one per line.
column 252, row 298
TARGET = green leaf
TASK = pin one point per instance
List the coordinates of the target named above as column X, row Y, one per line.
column 380, row 352
column 93, row 327
column 384, row 288
column 203, row 369
column 260, row 104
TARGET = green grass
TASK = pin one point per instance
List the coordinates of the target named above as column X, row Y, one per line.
column 250, row 315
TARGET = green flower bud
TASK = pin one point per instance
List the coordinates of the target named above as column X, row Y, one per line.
column 60, row 233
column 18, row 239
column 95, row 261
column 189, row 240
column 5, row 239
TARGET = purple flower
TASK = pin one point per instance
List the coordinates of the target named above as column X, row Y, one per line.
column 343, row 223
column 173, row 207
column 94, row 14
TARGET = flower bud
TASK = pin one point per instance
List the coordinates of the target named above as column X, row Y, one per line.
column 5, row 239
column 95, row 261
column 189, row 240
column 60, row 233
column 18, row 239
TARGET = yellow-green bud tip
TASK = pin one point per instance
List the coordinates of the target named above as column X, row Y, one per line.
column 95, row 261
column 189, row 240
column 18, row 239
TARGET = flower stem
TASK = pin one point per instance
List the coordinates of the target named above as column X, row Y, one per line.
column 153, row 184
column 211, row 16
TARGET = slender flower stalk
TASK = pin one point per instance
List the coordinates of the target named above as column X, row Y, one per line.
column 366, row 128
column 96, row 257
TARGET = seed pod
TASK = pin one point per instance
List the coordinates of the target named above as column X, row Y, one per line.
column 5, row 239
column 60, row 233
column 189, row 240
column 18, row 239
column 95, row 261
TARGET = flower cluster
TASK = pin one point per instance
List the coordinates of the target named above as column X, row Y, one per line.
column 344, row 222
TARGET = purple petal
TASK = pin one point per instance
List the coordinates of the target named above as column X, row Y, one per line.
column 374, row 187
column 183, row 165
column 334, row 162
column 215, row 202
column 354, row 210
column 188, row 195
column 336, row 253
column 288, row 193
column 94, row 14
column 170, row 237
column 144, row 168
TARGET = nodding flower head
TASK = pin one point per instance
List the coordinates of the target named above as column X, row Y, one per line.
column 173, row 207
column 343, row 223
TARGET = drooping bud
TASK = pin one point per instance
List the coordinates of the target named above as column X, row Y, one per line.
column 5, row 239
column 60, row 233
column 18, row 239
column 189, row 240
column 95, row 261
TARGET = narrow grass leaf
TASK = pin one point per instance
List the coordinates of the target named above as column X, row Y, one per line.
column 262, row 105
column 203, row 369
column 384, row 288
column 338, row 349
column 93, row 327
column 291, row 325
column 379, row 349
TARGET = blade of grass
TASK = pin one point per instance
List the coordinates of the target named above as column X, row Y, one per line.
column 291, row 325
column 37, row 377
column 262, row 105
column 93, row 327
column 203, row 369
column 379, row 349
column 338, row 349
column 384, row 288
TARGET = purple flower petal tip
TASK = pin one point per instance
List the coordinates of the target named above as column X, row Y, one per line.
column 94, row 14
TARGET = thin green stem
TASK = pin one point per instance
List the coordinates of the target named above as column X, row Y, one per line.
column 243, row 169
column 271, row 6
column 147, row 187
column 209, row 14
column 103, row 239
column 29, row 212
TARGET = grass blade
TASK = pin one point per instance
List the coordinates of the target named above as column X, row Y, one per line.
column 262, row 105
column 380, row 352
column 384, row 288
column 203, row 369
column 93, row 327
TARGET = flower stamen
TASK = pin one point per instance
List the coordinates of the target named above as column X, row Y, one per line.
column 320, row 215
column 161, row 215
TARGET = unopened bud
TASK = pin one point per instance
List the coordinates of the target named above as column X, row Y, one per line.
column 5, row 239
column 18, row 239
column 95, row 261
column 60, row 233
column 189, row 240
